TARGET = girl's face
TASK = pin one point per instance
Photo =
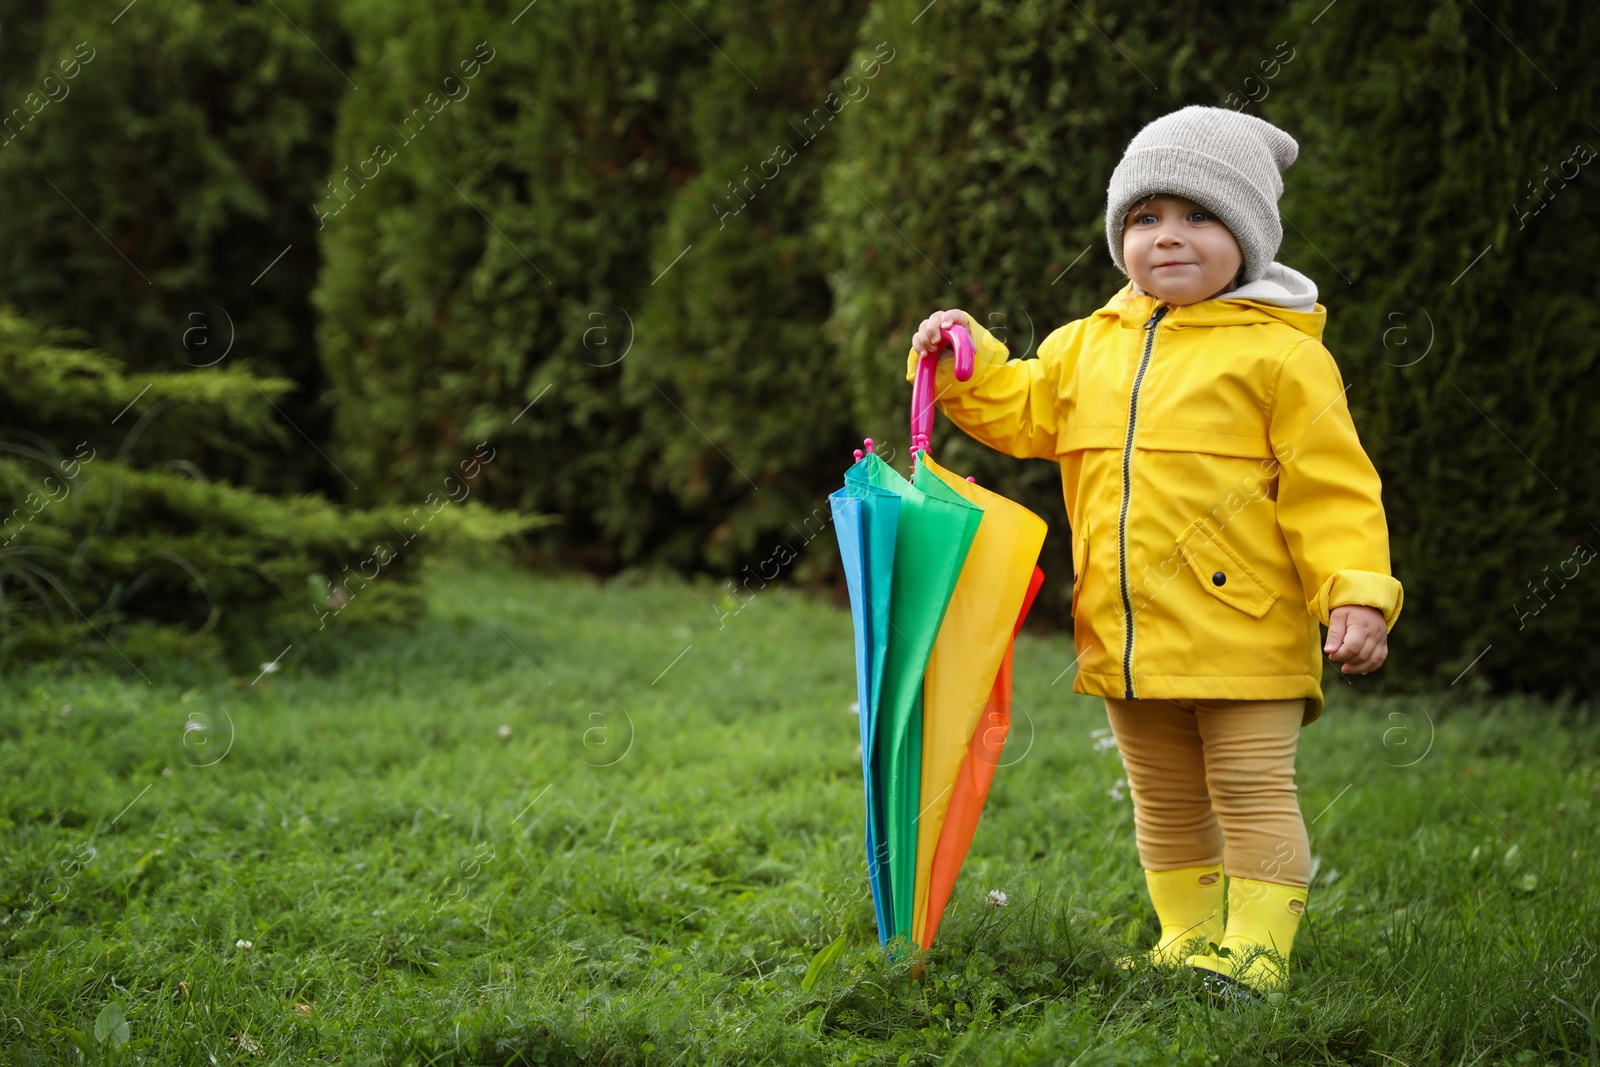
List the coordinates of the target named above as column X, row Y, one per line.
column 1178, row 251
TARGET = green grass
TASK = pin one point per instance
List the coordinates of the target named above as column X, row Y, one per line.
column 643, row 871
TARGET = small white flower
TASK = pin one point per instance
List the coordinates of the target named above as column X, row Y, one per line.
column 1116, row 791
column 504, row 732
column 995, row 899
column 242, row 945
column 1104, row 741
column 855, row 707
column 269, row 668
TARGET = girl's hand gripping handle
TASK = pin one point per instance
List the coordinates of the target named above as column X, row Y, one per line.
column 922, row 388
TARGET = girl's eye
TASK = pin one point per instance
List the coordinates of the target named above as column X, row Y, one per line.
column 1199, row 216
column 1140, row 220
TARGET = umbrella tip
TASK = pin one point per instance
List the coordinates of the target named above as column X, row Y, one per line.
column 858, row 455
column 868, row 442
column 971, row 479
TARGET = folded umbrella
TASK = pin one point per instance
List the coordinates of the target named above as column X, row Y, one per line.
column 970, row 659
column 936, row 528
column 941, row 572
column 872, row 544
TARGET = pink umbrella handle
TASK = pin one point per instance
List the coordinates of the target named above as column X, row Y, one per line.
column 922, row 394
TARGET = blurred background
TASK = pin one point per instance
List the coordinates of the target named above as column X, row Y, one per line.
column 298, row 294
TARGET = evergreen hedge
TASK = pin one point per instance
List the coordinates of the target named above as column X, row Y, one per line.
column 113, row 542
column 731, row 348
column 642, row 250
column 588, row 256
column 153, row 165
column 1442, row 205
column 478, row 281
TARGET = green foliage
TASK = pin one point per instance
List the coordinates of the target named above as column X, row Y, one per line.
column 103, row 1044
column 535, row 195
column 825, row 958
column 114, row 540
column 731, row 370
column 153, row 167
column 683, row 400
column 521, row 229
column 1432, row 136
column 364, row 869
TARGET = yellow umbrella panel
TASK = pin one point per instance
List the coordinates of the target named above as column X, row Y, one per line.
column 973, row 638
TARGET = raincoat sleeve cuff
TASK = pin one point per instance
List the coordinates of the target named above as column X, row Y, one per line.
column 1365, row 588
column 990, row 354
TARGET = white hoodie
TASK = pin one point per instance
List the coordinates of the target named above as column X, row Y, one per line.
column 1279, row 285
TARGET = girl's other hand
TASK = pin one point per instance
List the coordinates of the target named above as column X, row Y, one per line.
column 1357, row 638
column 927, row 339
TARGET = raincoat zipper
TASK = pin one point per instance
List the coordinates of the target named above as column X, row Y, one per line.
column 1127, row 489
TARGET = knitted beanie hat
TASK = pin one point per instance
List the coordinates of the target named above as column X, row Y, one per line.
column 1223, row 160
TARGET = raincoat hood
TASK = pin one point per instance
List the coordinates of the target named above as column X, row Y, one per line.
column 1278, row 286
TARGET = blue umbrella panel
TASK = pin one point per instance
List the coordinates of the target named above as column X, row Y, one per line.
column 866, row 519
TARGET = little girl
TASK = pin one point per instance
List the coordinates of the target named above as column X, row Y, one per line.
column 1221, row 507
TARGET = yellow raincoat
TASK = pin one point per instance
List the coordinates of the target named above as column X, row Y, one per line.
column 1218, row 495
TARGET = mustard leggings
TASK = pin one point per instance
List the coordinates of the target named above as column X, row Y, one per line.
column 1213, row 781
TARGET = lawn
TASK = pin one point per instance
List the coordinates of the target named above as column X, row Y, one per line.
column 564, row 821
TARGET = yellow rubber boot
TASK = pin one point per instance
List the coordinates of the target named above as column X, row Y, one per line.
column 1188, row 903
column 1255, row 946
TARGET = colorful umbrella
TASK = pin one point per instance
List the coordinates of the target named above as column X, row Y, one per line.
column 932, row 534
column 940, row 572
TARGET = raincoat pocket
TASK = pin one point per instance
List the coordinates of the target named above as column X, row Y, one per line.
column 1222, row 571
